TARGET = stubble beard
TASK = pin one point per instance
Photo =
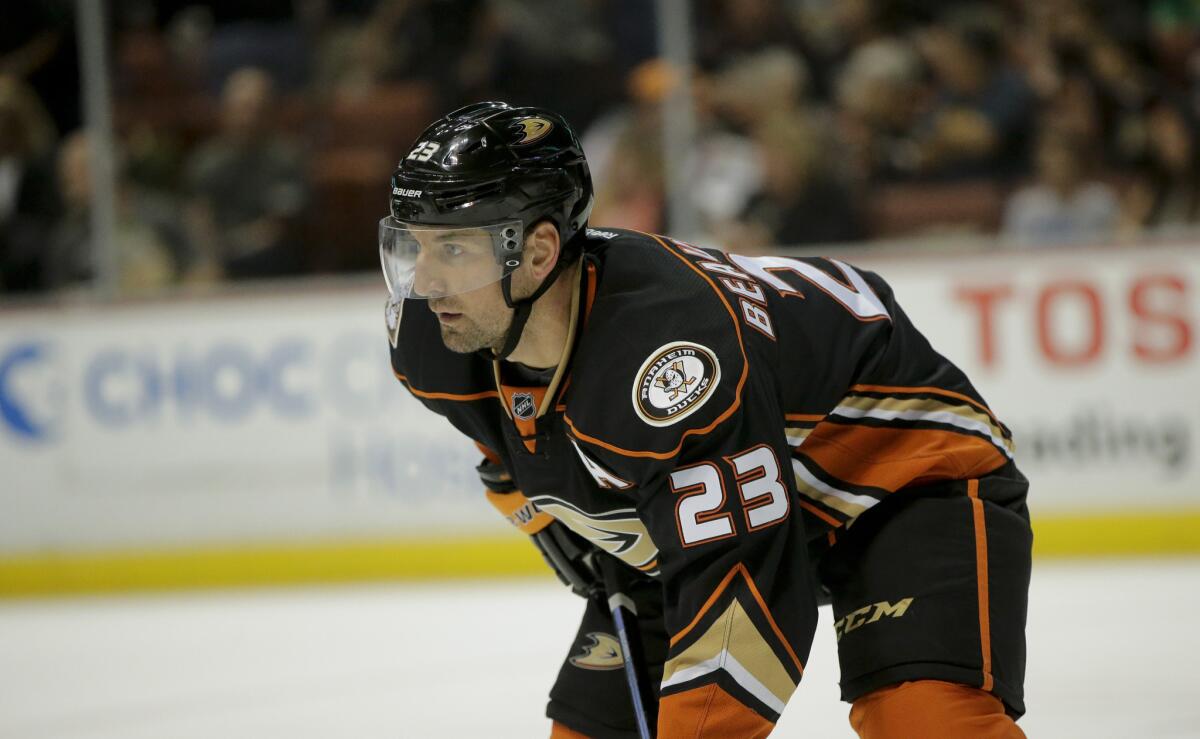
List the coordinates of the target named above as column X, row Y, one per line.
column 466, row 335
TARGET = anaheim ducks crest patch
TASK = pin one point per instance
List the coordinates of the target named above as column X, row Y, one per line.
column 602, row 652
column 674, row 382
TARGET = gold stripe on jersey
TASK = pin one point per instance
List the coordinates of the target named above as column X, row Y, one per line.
column 619, row 532
column 958, row 414
column 797, row 427
column 734, row 645
column 901, row 390
column 844, row 502
column 796, row 435
column 460, row 397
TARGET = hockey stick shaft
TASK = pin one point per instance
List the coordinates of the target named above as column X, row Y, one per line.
column 619, row 603
column 631, row 677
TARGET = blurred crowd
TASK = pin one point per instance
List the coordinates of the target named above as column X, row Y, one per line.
column 254, row 138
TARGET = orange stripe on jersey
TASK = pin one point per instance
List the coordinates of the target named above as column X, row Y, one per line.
column 519, row 511
column 707, row 604
column 488, row 453
column 814, row 417
column 891, row 458
column 933, row 390
column 445, row 396
column 558, row 731
column 708, row 711
column 591, row 292
column 739, row 568
column 981, row 576
column 561, row 405
column 771, row 620
column 819, row 513
column 925, row 708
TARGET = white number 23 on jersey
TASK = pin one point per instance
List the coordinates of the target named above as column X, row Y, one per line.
column 698, row 512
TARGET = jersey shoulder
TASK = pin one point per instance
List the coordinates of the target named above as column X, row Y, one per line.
column 661, row 355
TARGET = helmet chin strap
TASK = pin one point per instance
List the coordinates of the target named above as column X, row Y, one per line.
column 522, row 309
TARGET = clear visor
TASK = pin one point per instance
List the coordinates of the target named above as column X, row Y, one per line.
column 424, row 262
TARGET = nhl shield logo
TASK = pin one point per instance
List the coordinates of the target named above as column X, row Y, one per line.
column 523, row 406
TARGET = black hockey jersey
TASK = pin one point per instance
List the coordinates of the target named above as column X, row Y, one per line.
column 711, row 415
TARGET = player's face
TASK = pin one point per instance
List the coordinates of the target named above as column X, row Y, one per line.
column 472, row 320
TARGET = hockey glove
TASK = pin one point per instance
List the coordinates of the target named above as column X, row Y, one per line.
column 572, row 557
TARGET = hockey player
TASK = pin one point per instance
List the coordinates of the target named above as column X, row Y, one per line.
column 747, row 436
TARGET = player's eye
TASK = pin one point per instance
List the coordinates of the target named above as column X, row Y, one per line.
column 450, row 249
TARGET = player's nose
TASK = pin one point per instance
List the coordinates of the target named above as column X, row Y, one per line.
column 428, row 280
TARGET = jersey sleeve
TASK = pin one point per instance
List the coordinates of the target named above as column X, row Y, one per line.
column 871, row 408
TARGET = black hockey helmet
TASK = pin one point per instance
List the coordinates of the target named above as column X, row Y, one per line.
column 489, row 171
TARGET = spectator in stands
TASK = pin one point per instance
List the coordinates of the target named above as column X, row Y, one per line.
column 1064, row 204
column 720, row 166
column 28, row 202
column 38, row 45
column 981, row 113
column 247, row 187
column 1167, row 191
column 1174, row 36
column 144, row 260
column 551, row 52
column 802, row 200
column 625, row 149
column 755, row 86
column 727, row 31
column 723, row 168
column 880, row 95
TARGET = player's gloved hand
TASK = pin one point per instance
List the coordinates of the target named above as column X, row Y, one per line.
column 572, row 557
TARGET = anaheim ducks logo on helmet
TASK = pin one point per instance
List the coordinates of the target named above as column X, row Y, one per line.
column 533, row 129
column 674, row 382
column 602, row 653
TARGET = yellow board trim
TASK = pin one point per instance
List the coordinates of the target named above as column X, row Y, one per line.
column 59, row 573
column 269, row 564
column 1166, row 532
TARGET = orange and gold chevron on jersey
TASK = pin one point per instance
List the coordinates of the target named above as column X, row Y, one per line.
column 734, row 644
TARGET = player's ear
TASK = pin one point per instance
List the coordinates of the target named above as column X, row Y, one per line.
column 542, row 249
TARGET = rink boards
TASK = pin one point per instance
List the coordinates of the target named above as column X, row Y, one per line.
column 260, row 437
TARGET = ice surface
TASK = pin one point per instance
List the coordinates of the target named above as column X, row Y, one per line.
column 1112, row 653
